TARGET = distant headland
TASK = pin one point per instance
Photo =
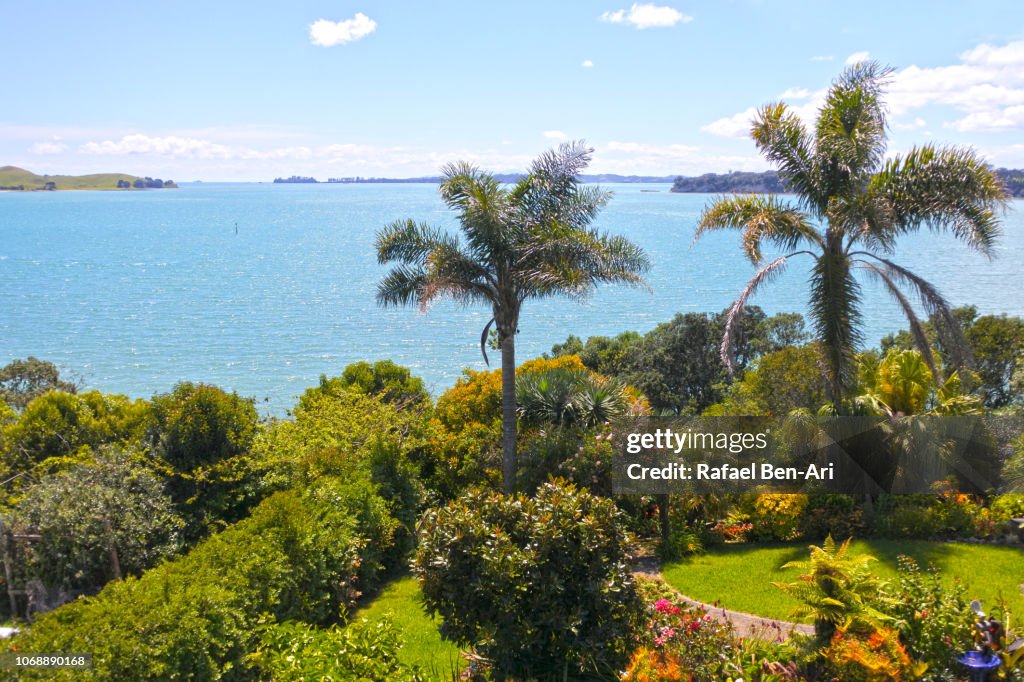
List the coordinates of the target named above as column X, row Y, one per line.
column 767, row 182
column 770, row 183
column 17, row 179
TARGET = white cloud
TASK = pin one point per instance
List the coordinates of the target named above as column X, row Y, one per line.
column 173, row 146
column 986, row 88
column 642, row 158
column 737, row 125
column 53, row 147
column 587, row 64
column 555, row 135
column 1004, row 119
column 858, row 57
column 795, row 93
column 822, row 58
column 916, row 124
column 326, row 33
column 646, row 15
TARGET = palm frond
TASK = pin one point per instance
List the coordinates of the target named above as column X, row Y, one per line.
column 542, row 195
column 937, row 307
column 943, row 189
column 762, row 218
column 850, row 138
column 732, row 318
column 407, row 241
column 781, row 137
column 916, row 328
column 573, row 262
column 401, row 286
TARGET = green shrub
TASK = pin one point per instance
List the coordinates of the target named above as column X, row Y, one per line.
column 297, row 652
column 946, row 515
column 296, row 557
column 828, row 514
column 580, row 456
column 199, row 424
column 87, row 514
column 203, row 435
column 538, row 586
column 934, row 620
column 392, row 383
column 1005, row 507
column 58, row 424
column 776, row 517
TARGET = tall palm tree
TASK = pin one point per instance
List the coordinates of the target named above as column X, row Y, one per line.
column 851, row 206
column 524, row 241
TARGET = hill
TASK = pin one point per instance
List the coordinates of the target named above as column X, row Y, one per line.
column 739, row 181
column 14, row 178
column 769, row 183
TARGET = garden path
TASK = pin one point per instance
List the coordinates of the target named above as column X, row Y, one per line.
column 745, row 624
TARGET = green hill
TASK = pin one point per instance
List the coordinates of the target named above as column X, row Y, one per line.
column 14, row 178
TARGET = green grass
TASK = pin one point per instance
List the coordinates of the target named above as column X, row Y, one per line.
column 739, row 577
column 423, row 645
column 12, row 176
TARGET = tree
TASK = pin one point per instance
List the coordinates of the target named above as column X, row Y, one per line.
column 539, row 585
column 393, row 383
column 204, row 435
column 96, row 521
column 778, row 383
column 851, row 206
column 23, row 380
column 527, row 241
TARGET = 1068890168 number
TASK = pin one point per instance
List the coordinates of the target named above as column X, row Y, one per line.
column 16, row 660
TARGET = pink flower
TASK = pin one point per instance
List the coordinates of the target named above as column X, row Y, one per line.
column 662, row 606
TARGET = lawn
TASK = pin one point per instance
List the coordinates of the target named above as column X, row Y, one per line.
column 423, row 646
column 739, row 577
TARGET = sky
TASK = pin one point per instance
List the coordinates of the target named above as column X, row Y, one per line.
column 226, row 90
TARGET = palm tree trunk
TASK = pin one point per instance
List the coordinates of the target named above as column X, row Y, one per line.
column 508, row 410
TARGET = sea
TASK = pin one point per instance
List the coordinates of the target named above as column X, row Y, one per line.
column 260, row 288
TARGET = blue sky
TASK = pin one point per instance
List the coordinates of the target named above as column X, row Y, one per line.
column 253, row 90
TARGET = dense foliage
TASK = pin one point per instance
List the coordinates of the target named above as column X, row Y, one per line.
column 95, row 521
column 538, row 586
column 23, row 380
column 296, row 557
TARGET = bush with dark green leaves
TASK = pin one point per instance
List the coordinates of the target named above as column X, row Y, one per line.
column 96, row 521
column 203, row 435
column 21, row 381
column 199, row 617
column 198, row 424
column 539, row 586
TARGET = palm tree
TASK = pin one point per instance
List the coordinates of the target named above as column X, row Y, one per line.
column 525, row 241
column 851, row 205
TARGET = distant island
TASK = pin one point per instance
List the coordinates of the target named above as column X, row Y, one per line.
column 769, row 183
column 17, row 179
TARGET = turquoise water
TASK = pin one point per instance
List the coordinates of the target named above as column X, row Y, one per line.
column 134, row 291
